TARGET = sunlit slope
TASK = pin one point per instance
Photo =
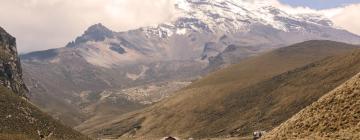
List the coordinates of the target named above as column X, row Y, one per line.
column 244, row 97
column 334, row 116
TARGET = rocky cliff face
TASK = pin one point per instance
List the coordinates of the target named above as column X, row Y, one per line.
column 19, row 119
column 10, row 67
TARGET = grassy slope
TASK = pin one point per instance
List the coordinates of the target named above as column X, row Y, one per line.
column 335, row 116
column 109, row 110
column 20, row 120
column 225, row 101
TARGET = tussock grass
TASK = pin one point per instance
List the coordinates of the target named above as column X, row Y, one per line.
column 335, row 116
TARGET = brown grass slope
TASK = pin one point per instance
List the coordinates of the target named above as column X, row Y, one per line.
column 334, row 116
column 19, row 120
column 253, row 70
column 234, row 101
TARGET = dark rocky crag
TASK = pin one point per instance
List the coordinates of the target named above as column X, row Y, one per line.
column 20, row 119
column 10, row 66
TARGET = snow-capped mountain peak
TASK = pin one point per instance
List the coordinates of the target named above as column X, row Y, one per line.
column 206, row 30
column 231, row 16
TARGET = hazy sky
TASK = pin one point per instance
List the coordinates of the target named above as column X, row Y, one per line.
column 319, row 4
column 44, row 24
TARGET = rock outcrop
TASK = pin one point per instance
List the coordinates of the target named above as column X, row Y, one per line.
column 10, row 67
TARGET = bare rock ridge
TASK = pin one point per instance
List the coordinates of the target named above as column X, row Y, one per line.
column 336, row 115
column 20, row 119
column 10, row 67
column 97, row 32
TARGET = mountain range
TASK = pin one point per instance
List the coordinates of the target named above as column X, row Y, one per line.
column 72, row 83
column 220, row 70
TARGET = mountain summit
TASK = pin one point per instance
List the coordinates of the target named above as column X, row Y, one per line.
column 239, row 15
column 97, row 32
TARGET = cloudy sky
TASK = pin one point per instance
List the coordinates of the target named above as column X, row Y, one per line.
column 44, row 24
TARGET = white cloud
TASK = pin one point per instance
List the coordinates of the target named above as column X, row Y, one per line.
column 348, row 18
column 43, row 24
column 344, row 17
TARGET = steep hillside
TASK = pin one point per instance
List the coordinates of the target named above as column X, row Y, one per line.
column 242, row 98
column 20, row 119
column 334, row 116
column 206, row 35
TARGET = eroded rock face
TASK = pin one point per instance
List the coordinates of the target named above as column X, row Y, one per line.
column 10, row 67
